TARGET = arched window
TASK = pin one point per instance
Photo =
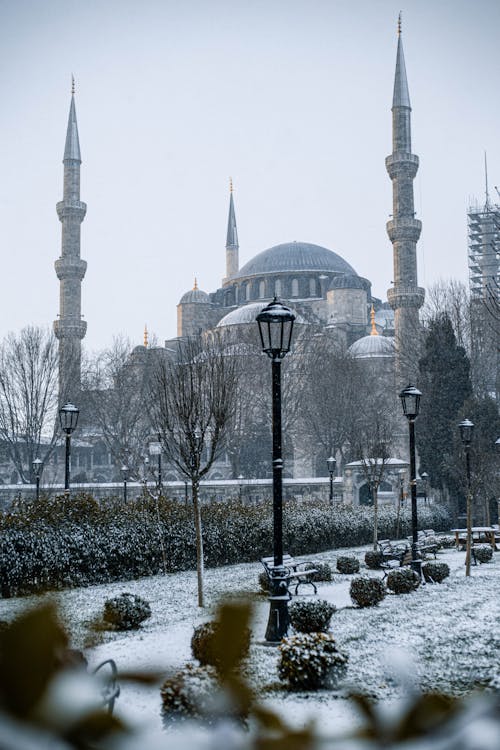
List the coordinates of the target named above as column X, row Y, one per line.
column 295, row 288
column 277, row 288
column 262, row 289
column 247, row 292
column 312, row 287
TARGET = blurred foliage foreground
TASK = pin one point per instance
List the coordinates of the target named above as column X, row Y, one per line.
column 49, row 700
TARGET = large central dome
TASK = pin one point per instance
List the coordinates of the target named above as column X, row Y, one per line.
column 295, row 256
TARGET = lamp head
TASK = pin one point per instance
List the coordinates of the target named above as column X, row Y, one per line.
column 410, row 401
column 331, row 462
column 466, row 428
column 37, row 467
column 275, row 323
column 68, row 418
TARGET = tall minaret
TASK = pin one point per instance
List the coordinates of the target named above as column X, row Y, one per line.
column 232, row 247
column 70, row 268
column 405, row 297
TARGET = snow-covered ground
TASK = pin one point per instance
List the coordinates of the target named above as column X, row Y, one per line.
column 442, row 637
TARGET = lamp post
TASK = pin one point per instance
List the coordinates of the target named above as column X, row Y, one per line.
column 155, row 450
column 331, row 470
column 425, row 477
column 240, row 486
column 37, row 470
column 466, row 428
column 275, row 323
column 410, row 400
column 124, row 471
column 401, row 474
column 68, row 419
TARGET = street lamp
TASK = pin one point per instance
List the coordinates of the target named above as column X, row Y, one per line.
column 330, row 462
column 466, row 428
column 425, row 477
column 124, row 471
column 410, row 400
column 37, row 470
column 155, row 450
column 240, row 486
column 68, row 419
column 275, row 323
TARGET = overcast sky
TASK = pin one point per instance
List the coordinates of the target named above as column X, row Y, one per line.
column 290, row 97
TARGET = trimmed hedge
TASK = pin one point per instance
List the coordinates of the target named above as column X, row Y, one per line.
column 57, row 543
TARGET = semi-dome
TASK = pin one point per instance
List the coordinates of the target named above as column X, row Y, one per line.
column 241, row 315
column 295, row 256
column 248, row 314
column 372, row 346
column 194, row 295
column 348, row 281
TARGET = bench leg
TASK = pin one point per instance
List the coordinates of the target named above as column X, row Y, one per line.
column 311, row 583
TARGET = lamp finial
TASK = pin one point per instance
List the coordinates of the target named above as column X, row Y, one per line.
column 146, row 340
column 230, row 184
column 195, row 287
column 400, row 22
column 72, row 85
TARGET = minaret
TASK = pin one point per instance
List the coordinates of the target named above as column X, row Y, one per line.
column 232, row 247
column 70, row 268
column 404, row 230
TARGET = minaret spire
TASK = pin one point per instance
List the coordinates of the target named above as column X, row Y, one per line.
column 70, row 268
column 232, row 246
column 404, row 229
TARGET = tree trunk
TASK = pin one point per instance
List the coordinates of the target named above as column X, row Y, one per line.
column 199, row 540
column 375, row 516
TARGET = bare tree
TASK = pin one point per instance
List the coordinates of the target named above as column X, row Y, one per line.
column 28, row 397
column 116, row 389
column 450, row 297
column 192, row 402
column 374, row 445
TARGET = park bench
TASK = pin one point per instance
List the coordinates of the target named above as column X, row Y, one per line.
column 296, row 573
column 394, row 554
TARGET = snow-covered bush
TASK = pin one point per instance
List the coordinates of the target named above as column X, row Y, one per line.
column 323, row 571
column 126, row 611
column 309, row 661
column 402, row 580
column 367, row 592
column 435, row 572
column 189, row 694
column 347, row 565
column 202, row 643
column 484, row 553
column 311, row 616
column 373, row 559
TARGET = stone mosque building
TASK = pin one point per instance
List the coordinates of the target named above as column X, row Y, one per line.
column 321, row 285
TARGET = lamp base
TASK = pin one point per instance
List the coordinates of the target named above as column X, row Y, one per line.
column 279, row 619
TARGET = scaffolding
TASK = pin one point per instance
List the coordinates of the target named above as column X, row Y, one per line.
column 484, row 252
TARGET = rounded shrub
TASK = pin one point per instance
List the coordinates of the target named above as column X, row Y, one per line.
column 311, row 616
column 402, row 580
column 310, row 661
column 483, row 553
column 203, row 644
column 367, row 592
column 435, row 572
column 347, row 565
column 373, row 559
column 189, row 694
column 323, row 571
column 126, row 612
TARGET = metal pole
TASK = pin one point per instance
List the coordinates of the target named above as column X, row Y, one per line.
column 416, row 564
column 277, row 626
column 68, row 458
column 159, row 466
column 37, row 478
column 124, row 490
column 331, row 487
column 186, row 492
column 468, row 549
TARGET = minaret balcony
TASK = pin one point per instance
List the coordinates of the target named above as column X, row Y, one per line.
column 404, row 229
column 402, row 164
column 70, row 268
column 71, row 209
column 70, row 328
column 405, row 296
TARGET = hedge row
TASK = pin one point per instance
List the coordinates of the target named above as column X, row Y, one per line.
column 58, row 543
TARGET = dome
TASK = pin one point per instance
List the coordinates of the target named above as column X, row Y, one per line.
column 194, row 295
column 372, row 346
column 295, row 256
column 348, row 281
